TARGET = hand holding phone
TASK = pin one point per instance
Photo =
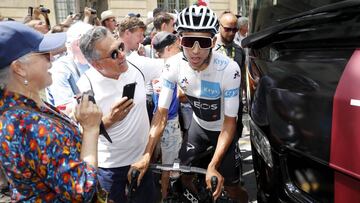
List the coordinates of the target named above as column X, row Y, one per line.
column 129, row 90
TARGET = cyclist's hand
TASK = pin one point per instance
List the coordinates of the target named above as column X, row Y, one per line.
column 213, row 172
column 142, row 165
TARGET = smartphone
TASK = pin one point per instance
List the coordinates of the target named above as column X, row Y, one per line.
column 129, row 90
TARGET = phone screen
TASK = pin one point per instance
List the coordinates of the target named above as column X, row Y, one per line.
column 129, row 90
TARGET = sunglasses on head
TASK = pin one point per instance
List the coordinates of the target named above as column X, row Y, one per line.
column 115, row 53
column 203, row 42
column 230, row 29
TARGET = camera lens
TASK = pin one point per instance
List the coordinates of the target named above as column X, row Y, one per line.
column 44, row 10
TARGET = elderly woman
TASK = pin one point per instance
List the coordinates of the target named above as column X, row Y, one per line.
column 43, row 153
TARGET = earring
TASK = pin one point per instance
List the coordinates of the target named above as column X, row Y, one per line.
column 26, row 82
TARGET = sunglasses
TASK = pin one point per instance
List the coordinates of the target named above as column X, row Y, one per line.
column 203, row 42
column 115, row 53
column 47, row 55
column 230, row 29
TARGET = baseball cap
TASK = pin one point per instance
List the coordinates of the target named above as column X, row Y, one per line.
column 76, row 31
column 134, row 15
column 17, row 39
column 106, row 15
column 163, row 39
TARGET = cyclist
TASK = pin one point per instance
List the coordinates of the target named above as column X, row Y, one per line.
column 211, row 83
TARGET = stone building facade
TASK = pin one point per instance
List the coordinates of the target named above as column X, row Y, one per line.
column 18, row 9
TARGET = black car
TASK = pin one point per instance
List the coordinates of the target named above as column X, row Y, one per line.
column 304, row 99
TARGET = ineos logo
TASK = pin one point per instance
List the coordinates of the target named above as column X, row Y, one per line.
column 205, row 106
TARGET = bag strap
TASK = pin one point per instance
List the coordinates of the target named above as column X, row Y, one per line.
column 137, row 68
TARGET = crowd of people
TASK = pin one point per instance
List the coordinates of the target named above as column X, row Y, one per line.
column 62, row 89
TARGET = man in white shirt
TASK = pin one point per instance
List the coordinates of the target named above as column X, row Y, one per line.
column 211, row 82
column 131, row 32
column 109, row 73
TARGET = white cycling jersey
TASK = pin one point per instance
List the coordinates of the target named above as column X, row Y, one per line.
column 212, row 93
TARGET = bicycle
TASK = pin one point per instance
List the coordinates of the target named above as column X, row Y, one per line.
column 178, row 192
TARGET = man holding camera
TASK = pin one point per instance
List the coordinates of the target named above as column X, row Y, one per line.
column 33, row 19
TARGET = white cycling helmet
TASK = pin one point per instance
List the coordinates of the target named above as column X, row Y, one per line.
column 197, row 18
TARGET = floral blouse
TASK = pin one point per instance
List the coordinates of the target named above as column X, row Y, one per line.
column 40, row 153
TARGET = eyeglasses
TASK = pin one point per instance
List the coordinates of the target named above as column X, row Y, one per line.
column 203, row 42
column 230, row 29
column 115, row 53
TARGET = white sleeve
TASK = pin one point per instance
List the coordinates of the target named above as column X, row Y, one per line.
column 231, row 89
column 169, row 82
column 59, row 92
column 83, row 83
column 150, row 67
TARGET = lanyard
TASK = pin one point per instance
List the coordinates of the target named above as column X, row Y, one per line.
column 230, row 54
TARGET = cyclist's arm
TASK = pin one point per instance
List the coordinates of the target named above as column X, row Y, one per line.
column 158, row 123
column 231, row 84
column 168, row 79
column 157, row 127
column 225, row 138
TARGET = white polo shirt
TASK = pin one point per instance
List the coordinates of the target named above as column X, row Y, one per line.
column 130, row 135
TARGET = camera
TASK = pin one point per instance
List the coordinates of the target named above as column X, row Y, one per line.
column 43, row 9
column 30, row 11
column 93, row 11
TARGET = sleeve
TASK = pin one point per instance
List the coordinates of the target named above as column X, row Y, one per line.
column 60, row 91
column 150, row 67
column 169, row 82
column 56, row 160
column 231, row 89
column 83, row 83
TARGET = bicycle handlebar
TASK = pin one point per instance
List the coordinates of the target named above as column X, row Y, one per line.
column 178, row 168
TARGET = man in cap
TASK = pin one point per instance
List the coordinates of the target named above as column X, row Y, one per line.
column 67, row 69
column 108, row 20
column 166, row 45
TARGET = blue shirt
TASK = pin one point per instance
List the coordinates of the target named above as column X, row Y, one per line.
column 174, row 106
column 65, row 73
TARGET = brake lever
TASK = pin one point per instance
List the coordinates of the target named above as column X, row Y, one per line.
column 133, row 182
column 213, row 182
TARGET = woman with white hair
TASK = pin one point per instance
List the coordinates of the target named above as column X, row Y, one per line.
column 243, row 26
column 45, row 156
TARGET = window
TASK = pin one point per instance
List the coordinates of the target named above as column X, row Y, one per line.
column 170, row 5
column 63, row 9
